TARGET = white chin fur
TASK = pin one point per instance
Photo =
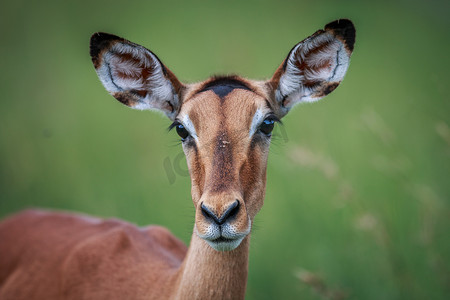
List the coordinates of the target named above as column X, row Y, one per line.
column 225, row 246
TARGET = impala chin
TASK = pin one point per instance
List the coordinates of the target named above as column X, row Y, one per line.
column 224, row 244
column 223, row 237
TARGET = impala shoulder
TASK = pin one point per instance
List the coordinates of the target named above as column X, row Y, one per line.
column 117, row 259
column 115, row 244
column 108, row 256
column 107, row 239
column 164, row 238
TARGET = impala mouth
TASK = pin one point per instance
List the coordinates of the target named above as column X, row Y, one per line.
column 223, row 240
column 224, row 244
column 223, row 237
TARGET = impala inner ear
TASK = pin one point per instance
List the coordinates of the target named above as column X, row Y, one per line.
column 134, row 75
column 315, row 66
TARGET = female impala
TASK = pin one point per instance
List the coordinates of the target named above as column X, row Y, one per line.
column 225, row 125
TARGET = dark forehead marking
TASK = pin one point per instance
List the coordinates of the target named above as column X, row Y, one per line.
column 224, row 85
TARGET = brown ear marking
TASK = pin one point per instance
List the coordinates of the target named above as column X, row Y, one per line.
column 345, row 30
column 132, row 98
column 99, row 42
column 326, row 88
column 126, row 98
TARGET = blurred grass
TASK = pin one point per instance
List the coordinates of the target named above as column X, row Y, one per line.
column 357, row 202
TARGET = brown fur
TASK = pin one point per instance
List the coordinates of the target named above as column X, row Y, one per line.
column 54, row 255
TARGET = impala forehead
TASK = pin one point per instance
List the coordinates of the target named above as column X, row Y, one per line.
column 240, row 112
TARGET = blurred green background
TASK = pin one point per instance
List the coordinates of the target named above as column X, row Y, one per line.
column 357, row 203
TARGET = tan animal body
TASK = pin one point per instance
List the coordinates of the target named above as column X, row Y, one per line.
column 225, row 125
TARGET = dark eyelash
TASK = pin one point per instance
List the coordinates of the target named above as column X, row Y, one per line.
column 173, row 125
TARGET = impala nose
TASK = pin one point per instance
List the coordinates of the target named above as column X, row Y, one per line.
column 228, row 214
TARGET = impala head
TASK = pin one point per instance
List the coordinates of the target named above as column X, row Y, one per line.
column 225, row 123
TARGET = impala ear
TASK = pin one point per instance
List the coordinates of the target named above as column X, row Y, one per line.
column 315, row 66
column 134, row 75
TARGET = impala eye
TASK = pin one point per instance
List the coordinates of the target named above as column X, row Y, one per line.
column 182, row 132
column 267, row 126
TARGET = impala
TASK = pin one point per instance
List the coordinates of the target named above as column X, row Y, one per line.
column 225, row 126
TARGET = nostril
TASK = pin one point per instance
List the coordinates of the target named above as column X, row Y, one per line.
column 207, row 213
column 228, row 214
column 231, row 212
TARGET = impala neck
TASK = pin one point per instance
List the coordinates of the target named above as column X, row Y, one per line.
column 210, row 274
